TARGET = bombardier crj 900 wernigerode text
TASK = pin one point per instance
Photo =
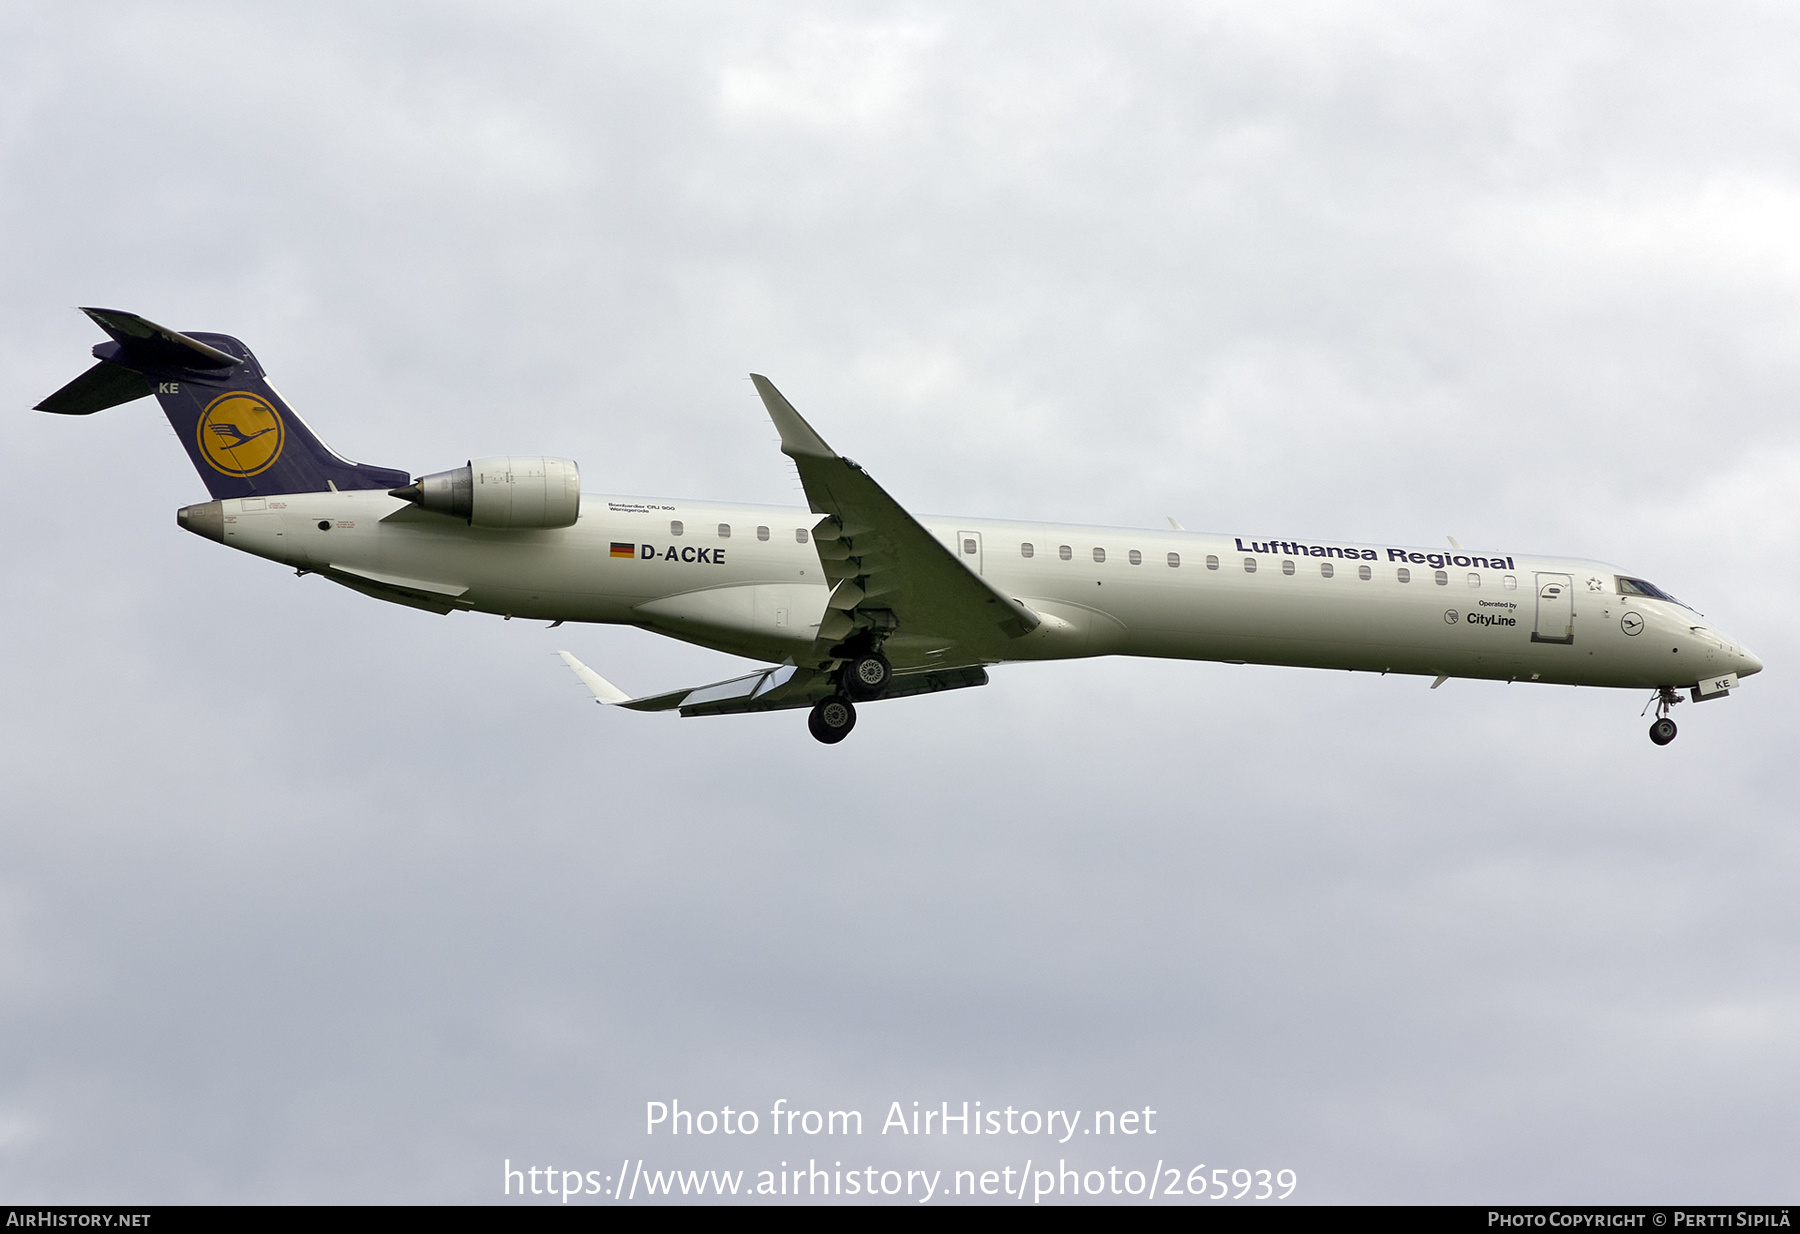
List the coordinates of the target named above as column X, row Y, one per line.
column 857, row 599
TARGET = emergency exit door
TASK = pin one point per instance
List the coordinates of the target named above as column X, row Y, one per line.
column 968, row 547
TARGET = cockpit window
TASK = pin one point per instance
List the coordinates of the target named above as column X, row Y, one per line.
column 1640, row 587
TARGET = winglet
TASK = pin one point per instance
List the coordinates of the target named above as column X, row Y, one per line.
column 797, row 436
column 604, row 690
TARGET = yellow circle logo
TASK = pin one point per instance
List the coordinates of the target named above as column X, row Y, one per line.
column 240, row 434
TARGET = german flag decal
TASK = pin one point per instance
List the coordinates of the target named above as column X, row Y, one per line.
column 624, row 550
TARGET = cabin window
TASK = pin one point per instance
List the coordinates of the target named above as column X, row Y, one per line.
column 970, row 546
column 1135, row 558
column 1474, row 580
column 1364, row 573
column 724, row 531
column 674, row 526
column 1212, row 562
column 800, row 535
column 1287, row 567
column 1249, row 565
column 1326, row 569
column 1025, row 549
column 762, row 533
column 1099, row 555
column 1443, row 579
column 1403, row 574
column 1510, row 583
column 1174, row 561
column 1064, row 551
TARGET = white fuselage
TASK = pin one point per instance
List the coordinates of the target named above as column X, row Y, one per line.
column 718, row 582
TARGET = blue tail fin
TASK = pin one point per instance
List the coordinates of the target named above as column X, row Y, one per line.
column 243, row 438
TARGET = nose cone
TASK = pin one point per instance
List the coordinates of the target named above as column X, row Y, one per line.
column 1747, row 663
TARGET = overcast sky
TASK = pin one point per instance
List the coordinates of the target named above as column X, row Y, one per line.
column 304, row 897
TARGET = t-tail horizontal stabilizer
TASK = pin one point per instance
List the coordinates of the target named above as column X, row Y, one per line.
column 137, row 346
column 243, row 439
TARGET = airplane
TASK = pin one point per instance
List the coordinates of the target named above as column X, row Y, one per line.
column 855, row 599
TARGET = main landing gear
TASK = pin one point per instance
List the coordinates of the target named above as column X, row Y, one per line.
column 1662, row 731
column 832, row 719
column 863, row 678
column 867, row 675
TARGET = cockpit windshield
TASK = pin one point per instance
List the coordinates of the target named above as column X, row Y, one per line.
column 1643, row 587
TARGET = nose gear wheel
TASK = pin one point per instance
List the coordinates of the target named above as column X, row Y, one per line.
column 1662, row 732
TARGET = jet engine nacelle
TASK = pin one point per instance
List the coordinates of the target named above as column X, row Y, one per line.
column 505, row 491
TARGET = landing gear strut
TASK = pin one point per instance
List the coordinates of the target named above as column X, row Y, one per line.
column 1662, row 732
column 832, row 719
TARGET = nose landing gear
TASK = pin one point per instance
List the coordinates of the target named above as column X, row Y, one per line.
column 1662, row 732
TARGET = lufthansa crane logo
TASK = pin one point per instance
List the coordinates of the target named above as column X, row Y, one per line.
column 241, row 434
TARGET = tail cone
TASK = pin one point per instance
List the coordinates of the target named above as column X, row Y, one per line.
column 206, row 519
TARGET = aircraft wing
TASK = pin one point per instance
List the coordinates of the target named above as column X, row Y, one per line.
column 764, row 690
column 769, row 689
column 887, row 572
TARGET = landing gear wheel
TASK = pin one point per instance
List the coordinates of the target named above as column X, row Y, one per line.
column 867, row 676
column 832, row 720
column 1663, row 731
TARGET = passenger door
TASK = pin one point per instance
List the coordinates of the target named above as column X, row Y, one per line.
column 1555, row 609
